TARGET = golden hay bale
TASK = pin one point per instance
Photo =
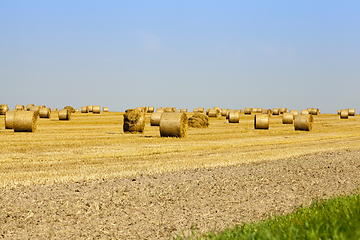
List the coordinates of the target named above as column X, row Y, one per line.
column 283, row 110
column 201, row 109
column 178, row 110
column 155, row 118
column 54, row 110
column 344, row 114
column 303, row 122
column 198, row 120
column 295, row 112
column 44, row 112
column 141, row 109
column 247, row 111
column 257, row 110
column 195, row 110
column 288, row 118
column 276, row 111
column 351, row 111
column 309, row 109
column 35, row 109
column 304, row 112
column 261, row 121
column 96, row 109
column 314, row 111
column 29, row 106
column 234, row 117
column 9, row 119
column 214, row 113
column 228, row 112
column 72, row 110
column 184, row 110
column 84, row 109
column 64, row 114
column 105, row 109
column 20, row 107
column 151, row 109
column 3, row 109
column 266, row 111
column 207, row 111
column 170, row 109
column 218, row 108
column 338, row 112
column 25, row 121
column 134, row 121
column 89, row 108
column 224, row 111
column 160, row 110
column 173, row 125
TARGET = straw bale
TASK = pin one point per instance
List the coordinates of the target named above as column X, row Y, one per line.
column 224, row 111
column 351, row 111
column 54, row 110
column 344, row 114
column 261, row 121
column 228, row 112
column 173, row 125
column 170, row 109
column 3, row 109
column 9, row 119
column 134, row 121
column 184, row 110
column 64, row 114
column 218, row 108
column 20, row 107
column 25, row 121
column 295, row 112
column 304, row 112
column 247, row 111
column 160, row 110
column 29, row 106
column 151, row 109
column 77, row 110
column 214, row 113
column 155, row 118
column 338, row 112
column 288, row 118
column 90, row 108
column 276, row 111
column 105, row 109
column 234, row 117
column 84, row 109
column 72, row 110
column 141, row 109
column 198, row 120
column 178, row 110
column 303, row 122
column 314, row 111
column 44, row 112
column 267, row 111
column 35, row 109
column 96, row 109
column 257, row 110
column 201, row 110
column 283, row 110
column 207, row 111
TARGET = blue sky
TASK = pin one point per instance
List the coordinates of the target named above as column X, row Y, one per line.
column 186, row 54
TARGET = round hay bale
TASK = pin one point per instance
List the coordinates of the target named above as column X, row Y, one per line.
column 151, row 109
column 257, row 110
column 84, row 109
column 295, row 112
column 234, row 117
column 207, row 111
column 29, row 106
column 198, row 120
column 261, row 121
column 344, row 114
column 54, row 110
column 218, row 108
column 9, row 119
column 228, row 112
column 247, row 111
column 160, row 110
column 288, row 118
column 44, row 112
column 178, row 110
column 304, row 112
column 184, row 110
column 276, row 111
column 283, row 110
column 20, row 107
column 303, row 122
column 35, row 109
column 195, row 110
column 170, row 109
column 173, row 125
column 314, row 111
column 155, row 118
column 96, row 109
column 134, row 121
column 3, row 109
column 338, row 112
column 266, row 111
column 90, row 108
column 201, row 109
column 141, row 109
column 224, row 111
column 72, row 110
column 105, row 109
column 351, row 111
column 214, row 113
column 25, row 121
column 64, row 114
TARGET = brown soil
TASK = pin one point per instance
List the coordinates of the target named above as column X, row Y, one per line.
column 159, row 206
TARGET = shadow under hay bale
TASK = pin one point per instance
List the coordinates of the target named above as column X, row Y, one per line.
column 261, row 121
column 173, row 125
column 25, row 121
column 134, row 121
column 9, row 119
column 303, row 122
column 198, row 120
column 64, row 114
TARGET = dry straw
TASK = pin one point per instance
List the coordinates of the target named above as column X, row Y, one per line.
column 64, row 114
column 84, row 109
column 9, row 119
column 44, row 112
column 295, row 112
column 228, row 112
column 178, row 110
column 54, row 110
column 247, row 111
column 276, row 111
column 344, row 114
column 72, row 110
column 288, row 118
column 304, row 112
column 201, row 109
column 224, row 111
column 155, row 118
column 3, row 109
column 29, row 106
column 261, row 121
column 173, row 125
column 218, row 108
column 20, row 107
column 338, row 112
column 134, row 121
column 314, row 111
column 151, row 109
column 234, row 117
column 198, row 120
column 170, row 109
column 25, row 121
column 303, row 122
column 35, row 109
column 214, row 113
column 351, row 111
column 96, row 109
column 267, row 111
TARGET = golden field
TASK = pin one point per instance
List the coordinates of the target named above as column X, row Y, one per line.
column 91, row 146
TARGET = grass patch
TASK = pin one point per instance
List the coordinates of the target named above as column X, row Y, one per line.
column 336, row 218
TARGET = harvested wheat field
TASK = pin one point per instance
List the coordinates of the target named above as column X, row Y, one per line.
column 84, row 178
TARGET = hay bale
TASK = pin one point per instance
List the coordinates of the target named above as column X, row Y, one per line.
column 247, row 111
column 228, row 112
column 151, row 109
column 44, row 112
column 184, row 110
column 54, row 110
column 218, row 108
column 35, row 109
column 84, row 109
column 64, row 114
column 25, row 121
column 141, row 109
column 257, row 110
column 3, row 109
column 207, row 111
column 283, row 110
column 89, row 108
column 338, row 112
column 304, row 112
column 160, row 110
column 170, row 109
column 201, row 110
column 295, row 112
column 288, row 118
column 344, row 114
column 198, row 120
column 105, row 109
column 314, row 111
column 276, row 111
column 9, row 119
column 303, row 122
column 224, row 111
column 72, row 110
column 234, row 117
column 267, row 111
column 134, row 121
column 261, row 121
column 96, row 109
column 173, row 125
column 29, row 106
column 178, row 110
column 155, row 118
column 20, row 107
column 351, row 111
column 214, row 113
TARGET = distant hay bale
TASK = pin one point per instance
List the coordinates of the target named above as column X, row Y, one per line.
column 3, row 109
column 84, row 109
column 295, row 112
column 303, row 122
column 288, row 118
column 141, row 109
column 228, row 112
column 344, row 114
column 105, row 109
column 218, row 108
column 20, row 107
column 90, row 108
column 214, row 113
column 201, row 110
column 72, row 110
column 276, row 111
column 44, row 112
column 160, row 110
column 351, row 111
column 64, row 114
column 155, row 118
column 35, row 109
column 267, row 111
column 309, row 109
column 173, row 125
column 178, row 110
column 151, row 109
column 29, row 106
column 207, row 111
column 283, row 110
column 198, row 120
column 261, row 121
column 304, row 112
column 314, row 111
column 134, row 121
column 96, row 109
column 54, row 110
column 195, row 110
column 9, row 119
column 247, row 111
column 25, row 121
column 170, row 109
column 224, row 111
column 77, row 110
column 234, row 117
column 338, row 112
column 184, row 110
column 257, row 110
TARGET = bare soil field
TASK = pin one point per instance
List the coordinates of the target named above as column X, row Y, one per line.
column 86, row 179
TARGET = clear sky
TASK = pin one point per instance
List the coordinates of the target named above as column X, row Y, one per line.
column 186, row 54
